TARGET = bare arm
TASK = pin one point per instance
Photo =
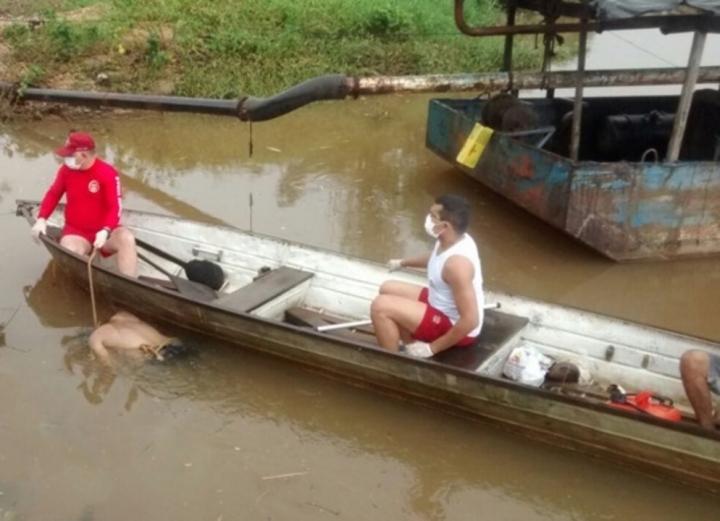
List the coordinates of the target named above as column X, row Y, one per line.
column 97, row 346
column 458, row 273
column 418, row 261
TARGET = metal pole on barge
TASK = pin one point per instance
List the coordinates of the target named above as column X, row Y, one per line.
column 577, row 105
column 681, row 116
column 508, row 51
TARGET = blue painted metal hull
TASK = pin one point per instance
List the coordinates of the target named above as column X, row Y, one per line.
column 624, row 210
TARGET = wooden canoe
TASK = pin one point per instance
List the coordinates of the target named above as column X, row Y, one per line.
column 278, row 314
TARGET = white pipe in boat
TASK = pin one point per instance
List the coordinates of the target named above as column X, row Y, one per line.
column 359, row 323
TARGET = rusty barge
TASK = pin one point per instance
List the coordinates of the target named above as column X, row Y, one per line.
column 631, row 177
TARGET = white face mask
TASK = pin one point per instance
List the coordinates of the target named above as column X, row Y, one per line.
column 71, row 163
column 429, row 225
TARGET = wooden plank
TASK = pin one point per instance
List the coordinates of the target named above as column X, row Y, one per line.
column 497, row 329
column 309, row 318
column 163, row 283
column 263, row 289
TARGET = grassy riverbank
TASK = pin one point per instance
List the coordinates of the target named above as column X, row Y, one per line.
column 226, row 48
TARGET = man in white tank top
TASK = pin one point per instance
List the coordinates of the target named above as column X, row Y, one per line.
column 447, row 313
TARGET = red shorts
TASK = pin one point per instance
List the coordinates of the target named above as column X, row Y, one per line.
column 435, row 324
column 88, row 235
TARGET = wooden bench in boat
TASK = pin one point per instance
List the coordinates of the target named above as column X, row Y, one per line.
column 498, row 328
column 263, row 289
column 163, row 283
column 300, row 316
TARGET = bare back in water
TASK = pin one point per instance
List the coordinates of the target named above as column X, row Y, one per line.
column 125, row 332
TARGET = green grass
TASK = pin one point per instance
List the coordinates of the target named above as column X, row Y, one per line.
column 226, row 48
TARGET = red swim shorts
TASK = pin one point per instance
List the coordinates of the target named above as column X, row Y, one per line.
column 435, row 324
column 88, row 235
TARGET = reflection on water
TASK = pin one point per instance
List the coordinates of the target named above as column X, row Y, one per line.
column 232, row 435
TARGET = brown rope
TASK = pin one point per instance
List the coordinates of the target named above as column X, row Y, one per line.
column 92, row 289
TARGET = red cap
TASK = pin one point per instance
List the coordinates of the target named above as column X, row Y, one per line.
column 76, row 142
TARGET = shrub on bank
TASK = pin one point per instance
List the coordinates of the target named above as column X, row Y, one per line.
column 226, row 48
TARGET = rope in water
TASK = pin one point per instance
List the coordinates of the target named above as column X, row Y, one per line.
column 92, row 289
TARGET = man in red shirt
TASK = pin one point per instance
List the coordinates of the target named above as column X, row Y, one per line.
column 92, row 210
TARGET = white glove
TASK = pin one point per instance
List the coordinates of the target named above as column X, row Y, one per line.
column 101, row 238
column 394, row 264
column 419, row 349
column 40, row 227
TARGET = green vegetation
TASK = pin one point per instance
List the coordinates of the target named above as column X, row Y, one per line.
column 224, row 48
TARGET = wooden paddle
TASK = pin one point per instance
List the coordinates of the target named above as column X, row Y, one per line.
column 192, row 289
column 92, row 289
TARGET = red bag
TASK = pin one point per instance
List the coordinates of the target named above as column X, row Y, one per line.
column 644, row 402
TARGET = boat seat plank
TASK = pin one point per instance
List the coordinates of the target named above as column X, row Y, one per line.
column 163, row 283
column 263, row 289
column 498, row 328
column 305, row 317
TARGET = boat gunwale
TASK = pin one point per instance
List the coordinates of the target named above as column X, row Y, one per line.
column 685, row 427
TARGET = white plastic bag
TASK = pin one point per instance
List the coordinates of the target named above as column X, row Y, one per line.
column 527, row 365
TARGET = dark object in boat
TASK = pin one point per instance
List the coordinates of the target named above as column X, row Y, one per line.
column 202, row 271
column 187, row 287
column 519, row 117
column 564, row 372
column 628, row 136
column 205, row 272
column 262, row 272
column 702, row 134
column 506, row 113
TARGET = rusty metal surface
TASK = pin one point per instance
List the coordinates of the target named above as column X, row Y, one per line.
column 535, row 180
column 492, row 82
column 624, row 210
column 632, row 211
column 666, row 23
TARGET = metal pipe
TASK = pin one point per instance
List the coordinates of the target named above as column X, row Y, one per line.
column 548, row 45
column 577, row 106
column 344, row 325
column 681, row 115
column 508, row 53
column 256, row 109
column 497, row 81
column 669, row 23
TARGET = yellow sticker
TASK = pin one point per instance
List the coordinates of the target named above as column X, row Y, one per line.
column 474, row 146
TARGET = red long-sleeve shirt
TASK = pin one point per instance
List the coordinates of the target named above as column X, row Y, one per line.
column 92, row 197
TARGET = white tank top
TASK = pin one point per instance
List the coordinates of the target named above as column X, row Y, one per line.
column 440, row 293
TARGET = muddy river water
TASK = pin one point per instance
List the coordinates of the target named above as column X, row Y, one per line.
column 235, row 435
